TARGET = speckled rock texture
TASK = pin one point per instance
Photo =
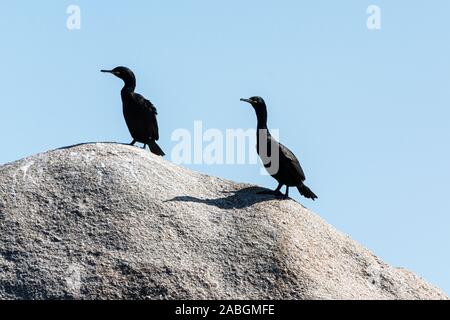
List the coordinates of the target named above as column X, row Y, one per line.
column 109, row 221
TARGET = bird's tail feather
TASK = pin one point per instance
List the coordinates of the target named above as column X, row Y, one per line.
column 306, row 192
column 154, row 148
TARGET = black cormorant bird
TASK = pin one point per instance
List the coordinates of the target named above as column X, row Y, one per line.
column 139, row 113
column 288, row 172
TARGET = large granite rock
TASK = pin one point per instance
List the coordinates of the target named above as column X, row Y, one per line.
column 108, row 221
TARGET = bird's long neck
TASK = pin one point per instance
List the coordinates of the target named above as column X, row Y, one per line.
column 261, row 115
column 130, row 84
column 129, row 87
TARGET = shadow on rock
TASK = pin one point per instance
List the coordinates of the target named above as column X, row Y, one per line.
column 234, row 200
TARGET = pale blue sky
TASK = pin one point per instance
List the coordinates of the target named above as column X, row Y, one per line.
column 366, row 112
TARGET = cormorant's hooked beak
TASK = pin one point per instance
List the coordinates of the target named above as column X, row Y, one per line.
column 107, row 71
column 247, row 100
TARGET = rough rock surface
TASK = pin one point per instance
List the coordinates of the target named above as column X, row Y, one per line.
column 108, row 221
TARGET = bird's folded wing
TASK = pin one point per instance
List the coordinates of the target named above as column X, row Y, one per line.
column 149, row 112
column 291, row 160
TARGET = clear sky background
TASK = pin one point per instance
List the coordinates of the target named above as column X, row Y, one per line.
column 366, row 112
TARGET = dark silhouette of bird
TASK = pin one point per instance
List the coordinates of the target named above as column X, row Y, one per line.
column 140, row 113
column 279, row 161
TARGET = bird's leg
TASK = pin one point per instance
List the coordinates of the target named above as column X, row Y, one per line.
column 144, row 146
column 133, row 142
column 287, row 193
column 275, row 192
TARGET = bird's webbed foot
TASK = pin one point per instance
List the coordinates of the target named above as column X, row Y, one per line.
column 132, row 143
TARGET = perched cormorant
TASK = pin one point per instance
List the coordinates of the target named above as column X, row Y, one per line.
column 288, row 172
column 139, row 113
